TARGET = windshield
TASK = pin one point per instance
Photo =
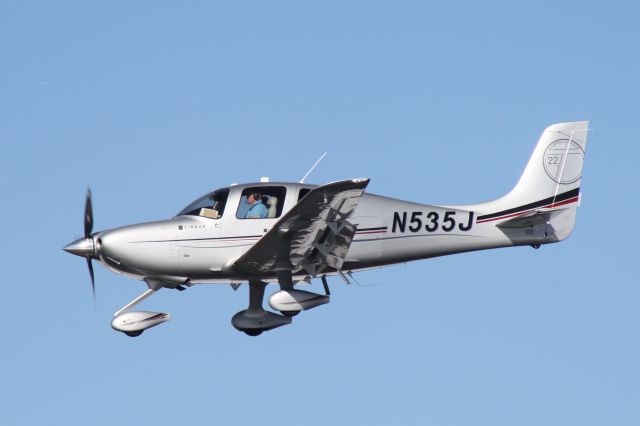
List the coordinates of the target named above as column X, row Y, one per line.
column 211, row 205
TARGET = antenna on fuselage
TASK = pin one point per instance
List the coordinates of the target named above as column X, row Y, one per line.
column 312, row 167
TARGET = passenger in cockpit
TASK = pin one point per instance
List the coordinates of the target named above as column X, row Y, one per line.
column 257, row 210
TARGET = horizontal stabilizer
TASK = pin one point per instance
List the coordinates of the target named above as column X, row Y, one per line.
column 528, row 220
column 540, row 226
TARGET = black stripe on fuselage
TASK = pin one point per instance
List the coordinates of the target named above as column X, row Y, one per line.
column 560, row 197
column 379, row 228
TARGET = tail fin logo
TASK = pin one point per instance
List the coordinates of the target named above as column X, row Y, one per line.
column 563, row 160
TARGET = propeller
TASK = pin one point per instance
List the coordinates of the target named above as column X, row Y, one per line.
column 88, row 227
column 88, row 214
column 85, row 247
column 93, row 282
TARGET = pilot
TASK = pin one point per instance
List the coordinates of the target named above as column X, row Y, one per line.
column 257, row 210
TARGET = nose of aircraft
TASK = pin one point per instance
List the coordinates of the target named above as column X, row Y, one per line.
column 83, row 247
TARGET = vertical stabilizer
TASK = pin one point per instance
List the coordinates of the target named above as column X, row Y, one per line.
column 548, row 191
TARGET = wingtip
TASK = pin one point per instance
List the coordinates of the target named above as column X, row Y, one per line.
column 360, row 180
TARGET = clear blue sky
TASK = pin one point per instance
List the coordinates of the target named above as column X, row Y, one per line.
column 154, row 103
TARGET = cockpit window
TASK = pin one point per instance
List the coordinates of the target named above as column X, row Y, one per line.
column 303, row 192
column 263, row 202
column 211, row 205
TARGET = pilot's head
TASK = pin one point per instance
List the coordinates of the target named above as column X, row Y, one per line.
column 253, row 196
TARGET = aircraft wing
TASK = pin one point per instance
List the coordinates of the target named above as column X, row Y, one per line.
column 313, row 235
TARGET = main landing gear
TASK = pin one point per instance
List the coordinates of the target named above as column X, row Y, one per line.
column 289, row 301
column 254, row 320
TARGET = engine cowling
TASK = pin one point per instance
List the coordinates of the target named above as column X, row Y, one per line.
column 296, row 300
column 134, row 323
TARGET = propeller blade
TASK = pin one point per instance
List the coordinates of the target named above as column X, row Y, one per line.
column 93, row 283
column 88, row 215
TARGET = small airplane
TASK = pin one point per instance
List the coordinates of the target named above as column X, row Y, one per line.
column 289, row 233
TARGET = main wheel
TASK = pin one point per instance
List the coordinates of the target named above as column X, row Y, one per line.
column 253, row 332
column 289, row 313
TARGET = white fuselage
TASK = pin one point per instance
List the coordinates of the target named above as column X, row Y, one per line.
column 200, row 249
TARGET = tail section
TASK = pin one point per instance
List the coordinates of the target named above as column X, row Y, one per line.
column 542, row 206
